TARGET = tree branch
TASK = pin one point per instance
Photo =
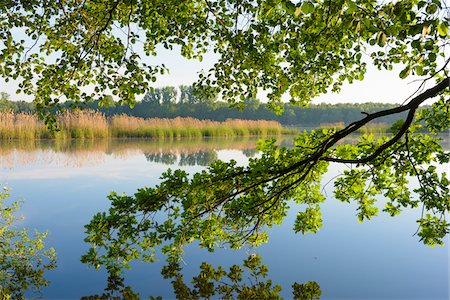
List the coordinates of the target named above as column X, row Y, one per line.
column 411, row 106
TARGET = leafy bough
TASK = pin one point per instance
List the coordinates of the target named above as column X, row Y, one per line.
column 228, row 204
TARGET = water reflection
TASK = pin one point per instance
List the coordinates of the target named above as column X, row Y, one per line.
column 200, row 158
column 347, row 259
column 79, row 153
column 246, row 281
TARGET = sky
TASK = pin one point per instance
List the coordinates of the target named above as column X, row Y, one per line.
column 378, row 86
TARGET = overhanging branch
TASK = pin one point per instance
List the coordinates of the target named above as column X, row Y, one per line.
column 411, row 107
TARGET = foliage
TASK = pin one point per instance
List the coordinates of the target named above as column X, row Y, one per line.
column 23, row 259
column 302, row 48
column 7, row 105
column 222, row 204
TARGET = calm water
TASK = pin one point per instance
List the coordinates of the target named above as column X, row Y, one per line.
column 62, row 186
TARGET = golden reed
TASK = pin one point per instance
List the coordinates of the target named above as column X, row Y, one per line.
column 91, row 124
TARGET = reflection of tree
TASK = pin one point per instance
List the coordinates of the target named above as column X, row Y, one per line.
column 249, row 152
column 201, row 158
column 238, row 282
column 166, row 158
column 85, row 152
column 75, row 153
column 232, row 284
column 23, row 259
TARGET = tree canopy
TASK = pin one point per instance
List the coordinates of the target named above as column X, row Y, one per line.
column 300, row 48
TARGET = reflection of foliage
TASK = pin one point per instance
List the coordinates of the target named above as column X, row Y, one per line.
column 199, row 158
column 80, row 152
column 308, row 291
column 23, row 259
column 228, row 285
column 211, row 282
column 115, row 290
column 217, row 283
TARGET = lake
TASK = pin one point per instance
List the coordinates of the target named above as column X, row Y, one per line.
column 63, row 185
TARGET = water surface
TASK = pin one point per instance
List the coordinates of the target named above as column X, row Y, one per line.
column 64, row 185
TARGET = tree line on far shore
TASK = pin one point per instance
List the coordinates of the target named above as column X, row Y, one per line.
column 181, row 101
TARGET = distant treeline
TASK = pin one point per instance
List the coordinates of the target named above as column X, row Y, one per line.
column 171, row 102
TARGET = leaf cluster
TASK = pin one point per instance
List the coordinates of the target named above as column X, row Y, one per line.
column 23, row 258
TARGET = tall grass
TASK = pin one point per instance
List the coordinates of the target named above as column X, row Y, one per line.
column 23, row 126
column 374, row 128
column 91, row 124
column 126, row 126
column 77, row 124
column 83, row 124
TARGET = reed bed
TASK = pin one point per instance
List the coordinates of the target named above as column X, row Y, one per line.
column 77, row 124
column 374, row 128
column 83, row 124
column 177, row 128
column 92, row 124
column 23, row 126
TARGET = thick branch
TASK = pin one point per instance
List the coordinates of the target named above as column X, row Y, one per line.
column 383, row 147
column 411, row 106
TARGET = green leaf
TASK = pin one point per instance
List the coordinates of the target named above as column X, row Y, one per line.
column 381, row 39
column 419, row 70
column 443, row 29
column 405, row 72
column 307, row 7
column 432, row 57
column 352, row 7
column 431, row 8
